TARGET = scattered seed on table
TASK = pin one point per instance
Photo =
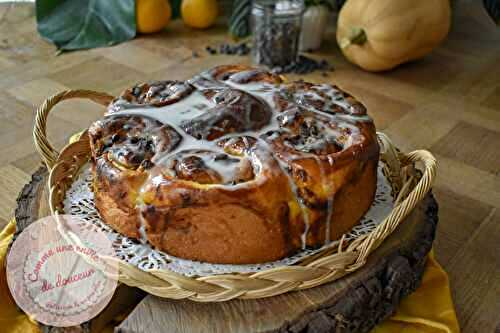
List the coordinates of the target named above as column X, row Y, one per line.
column 211, row 50
column 238, row 49
column 302, row 65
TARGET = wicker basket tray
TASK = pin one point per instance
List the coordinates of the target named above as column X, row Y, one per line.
column 409, row 187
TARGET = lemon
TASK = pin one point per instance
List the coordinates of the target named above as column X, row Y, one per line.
column 199, row 14
column 152, row 15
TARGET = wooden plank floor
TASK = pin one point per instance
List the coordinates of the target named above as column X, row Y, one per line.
column 448, row 102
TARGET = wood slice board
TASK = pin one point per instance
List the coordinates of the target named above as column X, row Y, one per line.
column 355, row 303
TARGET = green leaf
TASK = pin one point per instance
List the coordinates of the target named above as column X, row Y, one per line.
column 328, row 3
column 239, row 22
column 493, row 9
column 337, row 4
column 84, row 24
column 176, row 8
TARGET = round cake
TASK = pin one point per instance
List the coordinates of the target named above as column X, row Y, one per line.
column 234, row 165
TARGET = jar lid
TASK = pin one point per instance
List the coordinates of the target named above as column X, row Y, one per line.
column 280, row 7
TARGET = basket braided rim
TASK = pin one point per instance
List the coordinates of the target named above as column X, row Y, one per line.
column 409, row 187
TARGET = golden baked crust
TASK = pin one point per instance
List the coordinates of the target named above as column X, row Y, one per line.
column 234, row 165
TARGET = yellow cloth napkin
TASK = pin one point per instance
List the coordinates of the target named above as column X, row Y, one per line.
column 12, row 320
column 428, row 310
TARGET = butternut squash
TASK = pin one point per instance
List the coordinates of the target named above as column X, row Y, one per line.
column 379, row 35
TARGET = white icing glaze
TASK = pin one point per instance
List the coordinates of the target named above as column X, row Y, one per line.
column 325, row 183
column 187, row 108
column 196, row 104
column 143, row 238
column 283, row 167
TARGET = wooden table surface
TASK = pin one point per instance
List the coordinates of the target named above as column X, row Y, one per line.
column 448, row 103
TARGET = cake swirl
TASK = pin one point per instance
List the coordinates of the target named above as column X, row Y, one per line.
column 234, row 165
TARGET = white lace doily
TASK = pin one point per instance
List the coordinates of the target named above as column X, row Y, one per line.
column 79, row 201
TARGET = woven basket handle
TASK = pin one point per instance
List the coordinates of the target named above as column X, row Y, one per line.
column 404, row 207
column 48, row 153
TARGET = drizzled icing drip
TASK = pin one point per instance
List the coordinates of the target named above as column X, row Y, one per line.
column 329, row 209
column 285, row 122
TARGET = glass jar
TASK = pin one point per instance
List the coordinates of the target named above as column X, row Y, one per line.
column 276, row 29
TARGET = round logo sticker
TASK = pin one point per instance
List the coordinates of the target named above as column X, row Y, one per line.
column 61, row 272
